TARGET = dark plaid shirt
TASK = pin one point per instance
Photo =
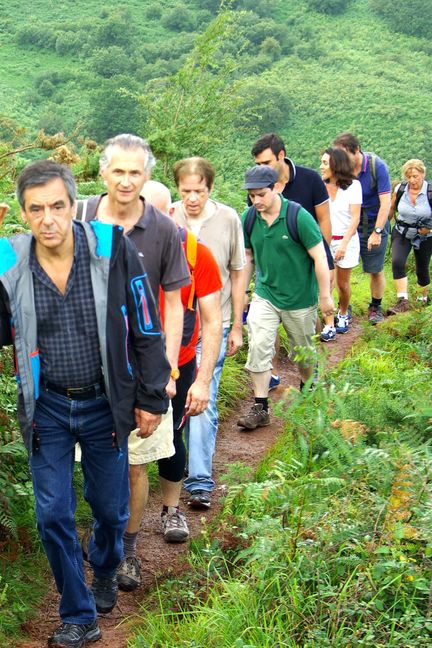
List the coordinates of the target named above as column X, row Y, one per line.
column 66, row 324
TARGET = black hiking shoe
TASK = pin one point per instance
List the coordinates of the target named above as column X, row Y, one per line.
column 105, row 593
column 199, row 499
column 73, row 635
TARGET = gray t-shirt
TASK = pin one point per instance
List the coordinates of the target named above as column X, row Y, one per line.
column 222, row 232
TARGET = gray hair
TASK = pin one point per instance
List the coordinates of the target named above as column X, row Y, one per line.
column 42, row 172
column 126, row 141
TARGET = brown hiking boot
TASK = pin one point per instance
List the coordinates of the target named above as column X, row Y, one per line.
column 401, row 306
column 257, row 417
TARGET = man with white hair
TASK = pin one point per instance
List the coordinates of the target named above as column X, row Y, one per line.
column 125, row 165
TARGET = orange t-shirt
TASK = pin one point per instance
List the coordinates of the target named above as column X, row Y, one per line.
column 207, row 280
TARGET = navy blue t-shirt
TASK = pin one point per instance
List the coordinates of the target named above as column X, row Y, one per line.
column 305, row 186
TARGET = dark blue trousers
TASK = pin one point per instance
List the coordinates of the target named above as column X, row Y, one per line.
column 59, row 423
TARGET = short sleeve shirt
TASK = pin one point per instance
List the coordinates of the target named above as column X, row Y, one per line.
column 207, row 281
column 414, row 214
column 222, row 233
column 340, row 214
column 159, row 247
column 371, row 200
column 287, row 276
column 305, row 186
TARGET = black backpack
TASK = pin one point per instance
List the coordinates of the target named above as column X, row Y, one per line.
column 291, row 220
column 402, row 188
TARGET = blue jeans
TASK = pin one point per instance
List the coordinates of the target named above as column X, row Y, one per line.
column 59, row 423
column 201, row 431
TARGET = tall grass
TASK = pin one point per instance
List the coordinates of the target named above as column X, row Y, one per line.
column 330, row 544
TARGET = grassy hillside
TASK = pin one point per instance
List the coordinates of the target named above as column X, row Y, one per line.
column 310, row 75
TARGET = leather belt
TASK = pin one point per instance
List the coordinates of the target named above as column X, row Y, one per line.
column 76, row 393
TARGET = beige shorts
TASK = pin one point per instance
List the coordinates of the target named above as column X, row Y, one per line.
column 159, row 445
column 263, row 322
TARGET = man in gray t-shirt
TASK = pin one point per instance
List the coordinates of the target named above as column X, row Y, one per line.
column 219, row 227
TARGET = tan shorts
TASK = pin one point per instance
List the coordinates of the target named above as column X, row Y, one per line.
column 263, row 322
column 159, row 445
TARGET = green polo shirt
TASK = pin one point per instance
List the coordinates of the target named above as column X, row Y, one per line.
column 286, row 276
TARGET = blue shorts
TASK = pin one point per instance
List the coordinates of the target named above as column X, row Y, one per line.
column 373, row 260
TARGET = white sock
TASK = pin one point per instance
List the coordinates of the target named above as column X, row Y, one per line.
column 404, row 295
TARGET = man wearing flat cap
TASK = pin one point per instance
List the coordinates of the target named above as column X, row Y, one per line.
column 284, row 243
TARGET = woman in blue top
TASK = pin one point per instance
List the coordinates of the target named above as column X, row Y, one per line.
column 412, row 229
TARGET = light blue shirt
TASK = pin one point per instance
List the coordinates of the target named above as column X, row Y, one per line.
column 411, row 213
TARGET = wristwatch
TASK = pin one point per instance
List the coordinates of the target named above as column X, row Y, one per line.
column 175, row 373
column 378, row 230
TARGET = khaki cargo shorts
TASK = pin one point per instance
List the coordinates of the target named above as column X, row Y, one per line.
column 160, row 445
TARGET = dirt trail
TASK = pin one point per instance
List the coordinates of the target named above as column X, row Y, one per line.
column 159, row 559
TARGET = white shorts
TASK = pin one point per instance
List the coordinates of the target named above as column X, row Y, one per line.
column 352, row 254
column 160, row 445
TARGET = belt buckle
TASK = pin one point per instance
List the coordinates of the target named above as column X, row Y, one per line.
column 74, row 391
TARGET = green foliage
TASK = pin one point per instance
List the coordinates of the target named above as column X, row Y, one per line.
column 330, row 544
column 191, row 112
column 117, row 29
column 179, row 18
column 413, row 18
column 331, row 7
column 110, row 61
column 264, row 105
column 113, row 108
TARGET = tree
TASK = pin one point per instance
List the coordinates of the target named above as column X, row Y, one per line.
column 332, row 7
column 114, row 108
column 117, row 30
column 110, row 61
column 179, row 19
column 193, row 111
column 265, row 106
column 413, row 18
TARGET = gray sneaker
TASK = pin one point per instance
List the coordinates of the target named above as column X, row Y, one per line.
column 375, row 314
column 129, row 574
column 257, row 417
column 175, row 528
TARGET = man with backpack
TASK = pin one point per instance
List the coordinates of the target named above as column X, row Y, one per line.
column 303, row 185
column 374, row 226
column 125, row 165
column 283, row 240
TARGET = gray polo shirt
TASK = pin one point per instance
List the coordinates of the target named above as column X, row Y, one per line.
column 222, row 233
column 159, row 245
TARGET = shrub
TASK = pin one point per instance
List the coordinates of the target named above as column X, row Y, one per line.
column 110, row 62
column 332, row 7
column 179, row 19
column 413, row 18
column 34, row 35
column 153, row 12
